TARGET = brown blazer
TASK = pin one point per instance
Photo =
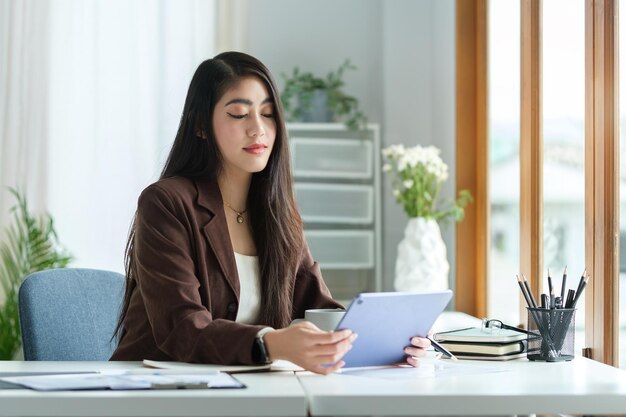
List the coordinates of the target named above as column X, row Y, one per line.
column 187, row 294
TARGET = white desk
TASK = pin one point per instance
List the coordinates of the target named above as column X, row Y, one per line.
column 578, row 387
column 268, row 394
column 582, row 386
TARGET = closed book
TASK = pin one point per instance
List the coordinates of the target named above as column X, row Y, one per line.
column 476, row 334
column 474, row 357
column 486, row 348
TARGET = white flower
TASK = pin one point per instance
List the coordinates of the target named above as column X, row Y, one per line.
column 408, row 183
column 396, row 193
column 393, row 151
column 386, row 168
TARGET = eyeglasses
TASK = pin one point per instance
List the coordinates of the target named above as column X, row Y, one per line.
column 493, row 326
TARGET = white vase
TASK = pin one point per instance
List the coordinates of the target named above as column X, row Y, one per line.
column 422, row 264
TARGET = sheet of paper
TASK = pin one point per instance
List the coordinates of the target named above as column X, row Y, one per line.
column 128, row 381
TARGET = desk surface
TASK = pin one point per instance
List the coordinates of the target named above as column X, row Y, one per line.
column 582, row 386
column 268, row 394
column 578, row 387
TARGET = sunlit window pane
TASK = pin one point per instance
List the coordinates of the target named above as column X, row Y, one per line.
column 504, row 132
column 564, row 147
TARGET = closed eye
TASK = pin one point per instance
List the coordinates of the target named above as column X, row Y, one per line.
column 268, row 115
column 236, row 116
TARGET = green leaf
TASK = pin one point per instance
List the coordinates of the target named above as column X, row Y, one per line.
column 30, row 244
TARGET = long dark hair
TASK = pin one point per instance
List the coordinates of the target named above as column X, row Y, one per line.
column 275, row 222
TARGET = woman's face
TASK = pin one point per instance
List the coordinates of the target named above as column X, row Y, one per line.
column 244, row 126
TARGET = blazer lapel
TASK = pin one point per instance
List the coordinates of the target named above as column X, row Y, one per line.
column 216, row 231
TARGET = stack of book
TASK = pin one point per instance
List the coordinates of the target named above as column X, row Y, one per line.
column 474, row 343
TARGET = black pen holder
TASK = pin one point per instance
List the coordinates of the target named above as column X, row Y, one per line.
column 551, row 334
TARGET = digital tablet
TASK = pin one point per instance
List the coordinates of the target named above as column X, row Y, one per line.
column 385, row 323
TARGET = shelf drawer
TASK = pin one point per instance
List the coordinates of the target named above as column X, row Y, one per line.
column 331, row 158
column 335, row 203
column 342, row 249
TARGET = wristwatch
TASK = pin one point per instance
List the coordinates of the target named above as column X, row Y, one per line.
column 259, row 352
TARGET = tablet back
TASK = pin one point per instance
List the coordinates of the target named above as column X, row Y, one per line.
column 385, row 323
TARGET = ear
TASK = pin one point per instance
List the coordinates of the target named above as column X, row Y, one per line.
column 201, row 134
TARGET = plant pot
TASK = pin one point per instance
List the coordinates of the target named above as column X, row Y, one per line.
column 422, row 263
column 318, row 111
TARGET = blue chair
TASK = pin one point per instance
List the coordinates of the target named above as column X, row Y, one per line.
column 70, row 314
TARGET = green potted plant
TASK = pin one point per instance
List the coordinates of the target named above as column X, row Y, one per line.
column 30, row 245
column 309, row 98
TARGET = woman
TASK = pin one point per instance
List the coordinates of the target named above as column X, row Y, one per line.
column 216, row 258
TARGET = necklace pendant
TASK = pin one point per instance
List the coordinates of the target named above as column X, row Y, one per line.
column 239, row 218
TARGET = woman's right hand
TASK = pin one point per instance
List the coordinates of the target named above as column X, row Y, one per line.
column 305, row 345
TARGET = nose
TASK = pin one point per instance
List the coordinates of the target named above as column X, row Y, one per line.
column 256, row 129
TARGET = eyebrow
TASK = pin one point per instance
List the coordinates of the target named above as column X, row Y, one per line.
column 246, row 101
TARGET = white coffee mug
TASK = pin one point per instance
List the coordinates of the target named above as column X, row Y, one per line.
column 325, row 318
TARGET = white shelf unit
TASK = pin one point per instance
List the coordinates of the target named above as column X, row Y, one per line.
column 337, row 185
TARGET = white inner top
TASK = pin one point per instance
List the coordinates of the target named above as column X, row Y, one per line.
column 249, row 288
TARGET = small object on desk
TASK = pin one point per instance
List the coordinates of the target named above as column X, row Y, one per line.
column 441, row 349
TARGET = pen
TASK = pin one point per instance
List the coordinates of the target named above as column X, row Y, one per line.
column 570, row 298
column 442, row 349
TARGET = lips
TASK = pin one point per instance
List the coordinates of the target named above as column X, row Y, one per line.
column 255, row 148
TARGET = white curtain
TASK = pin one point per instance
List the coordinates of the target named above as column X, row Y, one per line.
column 24, row 75
column 116, row 78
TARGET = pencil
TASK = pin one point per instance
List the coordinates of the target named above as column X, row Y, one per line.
column 524, row 293
column 580, row 282
column 563, row 284
column 580, row 291
column 550, row 287
column 530, row 293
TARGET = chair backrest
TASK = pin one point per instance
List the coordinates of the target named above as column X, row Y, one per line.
column 70, row 314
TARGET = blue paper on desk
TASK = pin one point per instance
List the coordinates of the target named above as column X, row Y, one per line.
column 385, row 323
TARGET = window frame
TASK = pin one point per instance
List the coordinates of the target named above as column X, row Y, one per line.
column 601, row 163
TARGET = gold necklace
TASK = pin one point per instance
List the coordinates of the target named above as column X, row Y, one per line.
column 239, row 213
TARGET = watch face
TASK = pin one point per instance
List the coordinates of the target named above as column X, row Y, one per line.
column 259, row 354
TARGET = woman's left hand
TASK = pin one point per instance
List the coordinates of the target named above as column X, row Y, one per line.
column 416, row 350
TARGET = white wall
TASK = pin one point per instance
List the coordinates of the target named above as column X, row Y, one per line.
column 404, row 50
column 418, row 85
column 318, row 36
